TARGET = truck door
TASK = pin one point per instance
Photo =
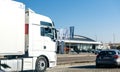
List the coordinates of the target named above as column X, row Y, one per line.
column 37, row 40
column 48, row 35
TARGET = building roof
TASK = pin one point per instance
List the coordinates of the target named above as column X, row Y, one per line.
column 81, row 39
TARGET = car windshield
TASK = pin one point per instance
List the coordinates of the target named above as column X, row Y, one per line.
column 107, row 53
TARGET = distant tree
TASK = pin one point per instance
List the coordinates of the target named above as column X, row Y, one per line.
column 118, row 47
column 113, row 47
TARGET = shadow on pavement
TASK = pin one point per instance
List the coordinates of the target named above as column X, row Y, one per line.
column 91, row 67
column 87, row 66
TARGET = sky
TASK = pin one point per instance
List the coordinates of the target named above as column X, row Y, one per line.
column 96, row 19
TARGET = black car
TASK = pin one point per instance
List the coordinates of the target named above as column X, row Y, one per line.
column 109, row 57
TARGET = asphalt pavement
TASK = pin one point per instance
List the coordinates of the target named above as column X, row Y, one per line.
column 75, row 58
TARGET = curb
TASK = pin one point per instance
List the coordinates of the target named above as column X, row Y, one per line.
column 64, row 63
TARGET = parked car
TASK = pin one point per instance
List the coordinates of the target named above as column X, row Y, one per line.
column 109, row 57
column 97, row 51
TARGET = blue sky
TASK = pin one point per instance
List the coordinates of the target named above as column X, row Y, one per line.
column 97, row 19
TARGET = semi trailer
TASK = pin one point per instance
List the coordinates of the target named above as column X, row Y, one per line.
column 27, row 39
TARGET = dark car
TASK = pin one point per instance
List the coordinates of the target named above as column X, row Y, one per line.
column 97, row 51
column 109, row 57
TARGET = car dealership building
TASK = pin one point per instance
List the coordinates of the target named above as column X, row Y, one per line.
column 69, row 43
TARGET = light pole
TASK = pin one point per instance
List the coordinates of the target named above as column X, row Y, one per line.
column 96, row 37
column 113, row 38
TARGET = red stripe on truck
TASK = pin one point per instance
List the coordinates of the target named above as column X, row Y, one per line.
column 26, row 28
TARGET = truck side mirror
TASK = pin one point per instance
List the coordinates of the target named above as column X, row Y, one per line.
column 42, row 31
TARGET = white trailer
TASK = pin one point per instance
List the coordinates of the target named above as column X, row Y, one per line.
column 27, row 39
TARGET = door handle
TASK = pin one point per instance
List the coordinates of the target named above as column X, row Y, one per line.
column 44, row 47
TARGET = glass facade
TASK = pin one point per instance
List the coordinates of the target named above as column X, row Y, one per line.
column 79, row 47
column 76, row 44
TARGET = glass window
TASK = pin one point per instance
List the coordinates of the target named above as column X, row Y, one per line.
column 118, row 52
column 107, row 53
column 42, row 31
column 45, row 23
column 46, row 31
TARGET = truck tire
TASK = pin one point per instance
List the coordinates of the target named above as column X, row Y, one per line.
column 41, row 64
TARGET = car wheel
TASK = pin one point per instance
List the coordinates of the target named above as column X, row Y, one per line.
column 97, row 65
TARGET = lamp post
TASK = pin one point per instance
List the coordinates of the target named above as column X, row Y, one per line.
column 96, row 37
column 113, row 38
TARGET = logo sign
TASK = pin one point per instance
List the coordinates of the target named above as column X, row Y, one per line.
column 71, row 32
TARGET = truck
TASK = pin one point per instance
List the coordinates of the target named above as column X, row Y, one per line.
column 27, row 39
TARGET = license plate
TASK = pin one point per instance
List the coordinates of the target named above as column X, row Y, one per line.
column 106, row 58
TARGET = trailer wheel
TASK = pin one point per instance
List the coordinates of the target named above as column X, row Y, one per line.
column 41, row 64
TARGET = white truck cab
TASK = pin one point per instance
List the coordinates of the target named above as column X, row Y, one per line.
column 27, row 40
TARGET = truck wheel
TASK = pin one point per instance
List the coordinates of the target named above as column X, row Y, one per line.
column 41, row 64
